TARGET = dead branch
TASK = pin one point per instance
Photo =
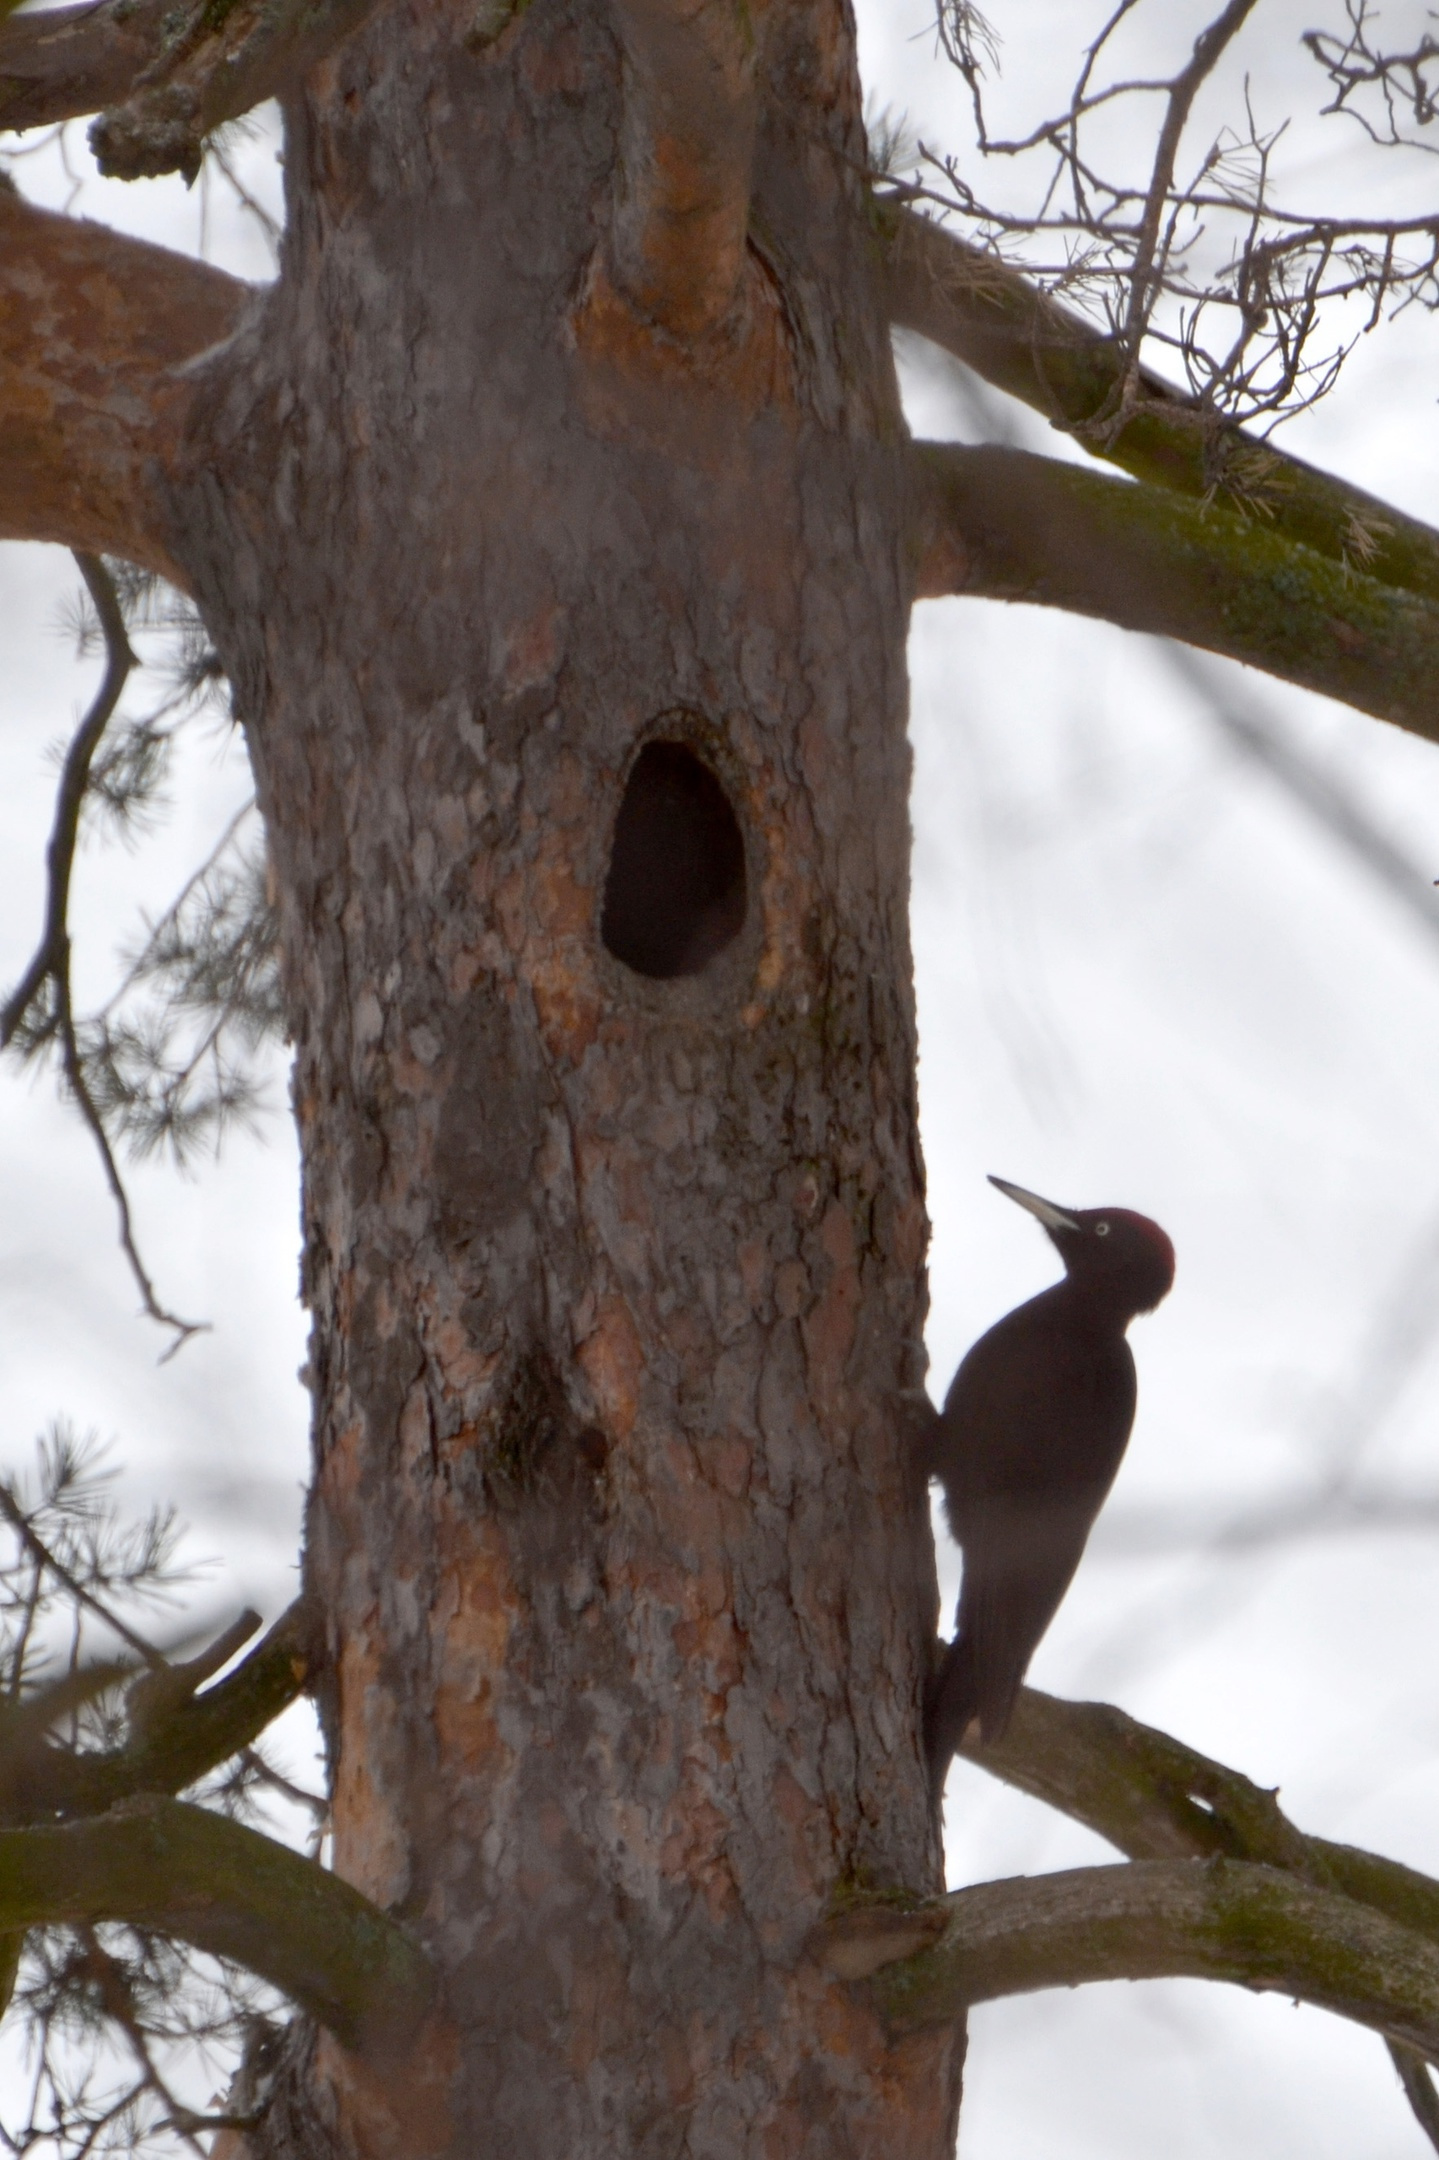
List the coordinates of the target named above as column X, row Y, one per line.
column 60, row 63
column 1031, row 346
column 1406, row 83
column 95, row 329
column 678, row 247
column 1006, row 525
column 53, row 952
column 1192, row 255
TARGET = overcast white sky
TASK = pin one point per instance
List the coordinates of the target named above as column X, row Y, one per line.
column 1145, row 977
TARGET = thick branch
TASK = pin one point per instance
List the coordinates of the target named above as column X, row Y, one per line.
column 1027, row 344
column 183, row 1871
column 171, row 1751
column 168, row 74
column 686, row 152
column 1155, row 1919
column 1153, row 1797
column 95, row 329
column 63, row 62
column 1007, row 525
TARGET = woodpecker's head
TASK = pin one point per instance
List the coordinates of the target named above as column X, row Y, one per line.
column 1124, row 1258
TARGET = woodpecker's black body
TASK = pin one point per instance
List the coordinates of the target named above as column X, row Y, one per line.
column 1033, row 1430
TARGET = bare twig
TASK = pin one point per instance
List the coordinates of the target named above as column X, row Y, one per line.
column 52, row 955
column 1162, row 254
column 50, row 967
column 40, row 1551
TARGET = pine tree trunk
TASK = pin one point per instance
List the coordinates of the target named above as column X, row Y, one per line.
column 614, row 1222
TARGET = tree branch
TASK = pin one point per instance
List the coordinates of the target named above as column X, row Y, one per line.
column 172, row 1750
column 62, row 62
column 168, row 75
column 95, row 329
column 678, row 247
column 1038, row 351
column 1153, row 1798
column 183, row 1871
column 1253, row 1925
column 1010, row 526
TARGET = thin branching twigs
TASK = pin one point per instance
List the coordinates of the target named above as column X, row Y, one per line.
column 52, row 955
column 50, row 967
column 1149, row 263
column 1026, row 343
column 1191, row 253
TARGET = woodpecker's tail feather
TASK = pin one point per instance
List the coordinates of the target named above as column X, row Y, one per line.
column 957, row 1699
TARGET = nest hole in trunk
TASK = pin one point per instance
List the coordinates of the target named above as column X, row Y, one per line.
column 675, row 895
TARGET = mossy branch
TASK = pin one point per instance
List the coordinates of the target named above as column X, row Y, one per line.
column 1221, row 1886
column 1153, row 1797
column 1028, row 344
column 1214, row 1920
column 1010, row 526
column 183, row 1871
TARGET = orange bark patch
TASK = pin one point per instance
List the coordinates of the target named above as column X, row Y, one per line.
column 612, row 1359
column 394, row 2113
column 473, row 1619
column 693, row 1849
column 371, row 1848
column 744, row 367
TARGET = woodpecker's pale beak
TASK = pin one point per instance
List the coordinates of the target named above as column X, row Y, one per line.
column 1053, row 1218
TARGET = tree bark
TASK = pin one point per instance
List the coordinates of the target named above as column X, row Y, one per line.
column 617, row 1282
column 96, row 334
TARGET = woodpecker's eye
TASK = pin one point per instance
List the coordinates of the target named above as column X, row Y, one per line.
column 1101, row 1229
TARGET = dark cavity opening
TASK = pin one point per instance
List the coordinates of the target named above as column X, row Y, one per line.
column 675, row 894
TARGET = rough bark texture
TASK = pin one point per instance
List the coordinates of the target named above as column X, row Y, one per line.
column 617, row 1284
column 96, row 332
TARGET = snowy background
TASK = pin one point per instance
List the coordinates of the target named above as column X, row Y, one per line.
column 1148, row 976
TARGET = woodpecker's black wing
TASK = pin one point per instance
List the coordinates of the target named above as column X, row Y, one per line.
column 1040, row 1408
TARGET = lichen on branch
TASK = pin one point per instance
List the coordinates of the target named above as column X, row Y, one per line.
column 184, row 1871
column 1219, row 1919
column 1026, row 343
column 1006, row 525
